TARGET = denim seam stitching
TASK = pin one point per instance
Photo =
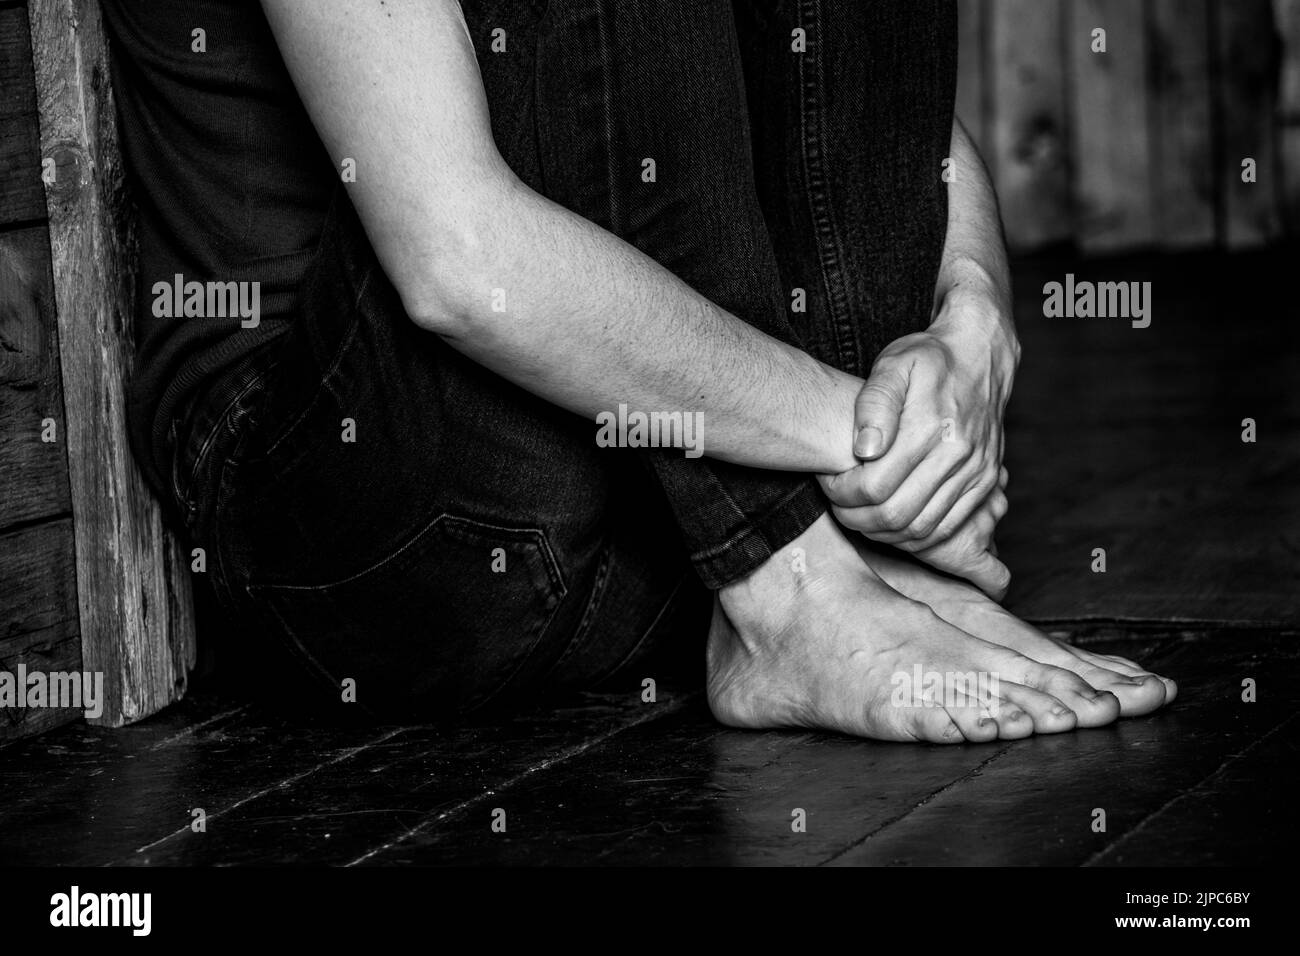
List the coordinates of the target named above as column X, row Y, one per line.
column 752, row 529
column 812, row 149
column 222, row 421
column 604, row 27
column 534, row 536
column 589, row 613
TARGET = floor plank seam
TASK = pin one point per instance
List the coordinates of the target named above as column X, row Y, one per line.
column 193, row 729
column 280, row 785
column 924, row 800
column 664, row 710
column 1198, row 787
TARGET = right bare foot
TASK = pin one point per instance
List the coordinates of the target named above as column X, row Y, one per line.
column 815, row 638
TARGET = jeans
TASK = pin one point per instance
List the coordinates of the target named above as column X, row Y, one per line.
column 376, row 507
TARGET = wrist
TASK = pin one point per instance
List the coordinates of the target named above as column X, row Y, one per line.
column 832, row 417
column 964, row 276
column 974, row 320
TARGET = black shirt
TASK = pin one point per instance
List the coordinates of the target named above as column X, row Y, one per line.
column 232, row 185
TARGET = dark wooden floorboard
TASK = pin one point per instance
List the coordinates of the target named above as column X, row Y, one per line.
column 1034, row 803
column 272, row 791
column 686, row 791
column 1241, row 815
column 400, row 786
column 615, row 781
column 119, row 797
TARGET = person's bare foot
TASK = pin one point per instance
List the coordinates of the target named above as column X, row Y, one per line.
column 1139, row 691
column 815, row 638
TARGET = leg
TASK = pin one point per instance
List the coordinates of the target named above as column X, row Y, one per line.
column 700, row 216
column 849, row 138
column 849, row 141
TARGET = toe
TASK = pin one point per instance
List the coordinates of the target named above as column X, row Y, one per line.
column 932, row 725
column 1092, row 707
column 1048, row 714
column 1014, row 722
column 1136, row 695
column 1126, row 667
column 975, row 722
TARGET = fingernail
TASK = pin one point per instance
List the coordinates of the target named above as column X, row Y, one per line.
column 869, row 441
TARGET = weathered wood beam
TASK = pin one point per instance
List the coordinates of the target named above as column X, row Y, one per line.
column 132, row 579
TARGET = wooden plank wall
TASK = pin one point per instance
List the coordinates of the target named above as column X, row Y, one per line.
column 133, row 585
column 39, row 627
column 1142, row 145
column 90, row 579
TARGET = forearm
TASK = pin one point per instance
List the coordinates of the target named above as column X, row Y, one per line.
column 974, row 258
column 575, row 315
column 541, row 296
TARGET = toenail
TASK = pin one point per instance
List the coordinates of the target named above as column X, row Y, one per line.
column 1015, row 715
column 1060, row 711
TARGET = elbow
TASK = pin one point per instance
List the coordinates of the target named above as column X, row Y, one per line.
column 445, row 255
column 442, row 280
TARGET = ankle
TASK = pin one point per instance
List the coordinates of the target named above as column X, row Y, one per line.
column 796, row 578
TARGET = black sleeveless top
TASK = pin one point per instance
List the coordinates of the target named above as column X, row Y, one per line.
column 232, row 185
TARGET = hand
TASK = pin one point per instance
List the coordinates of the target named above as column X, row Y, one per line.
column 929, row 424
column 970, row 553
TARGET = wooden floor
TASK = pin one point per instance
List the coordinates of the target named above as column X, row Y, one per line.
column 1123, row 439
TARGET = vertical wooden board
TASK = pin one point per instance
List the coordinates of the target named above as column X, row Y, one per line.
column 17, row 88
column 133, row 587
column 39, row 626
column 21, row 196
column 20, row 187
column 1287, row 16
column 971, row 70
column 1246, row 76
column 33, row 471
column 1110, row 130
column 1028, row 121
column 1182, row 133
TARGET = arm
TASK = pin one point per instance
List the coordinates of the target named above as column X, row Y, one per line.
column 974, row 259
column 929, row 419
column 589, row 322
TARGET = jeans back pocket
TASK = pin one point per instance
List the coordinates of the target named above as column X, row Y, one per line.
column 437, row 627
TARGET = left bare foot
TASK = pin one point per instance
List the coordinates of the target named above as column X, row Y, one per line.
column 964, row 606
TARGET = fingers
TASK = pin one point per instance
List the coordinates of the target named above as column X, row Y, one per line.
column 876, row 481
column 878, row 409
column 942, row 518
column 937, row 498
column 892, row 517
column 967, row 555
column 987, row 573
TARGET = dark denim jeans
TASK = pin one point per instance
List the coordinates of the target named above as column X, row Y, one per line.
column 472, row 545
